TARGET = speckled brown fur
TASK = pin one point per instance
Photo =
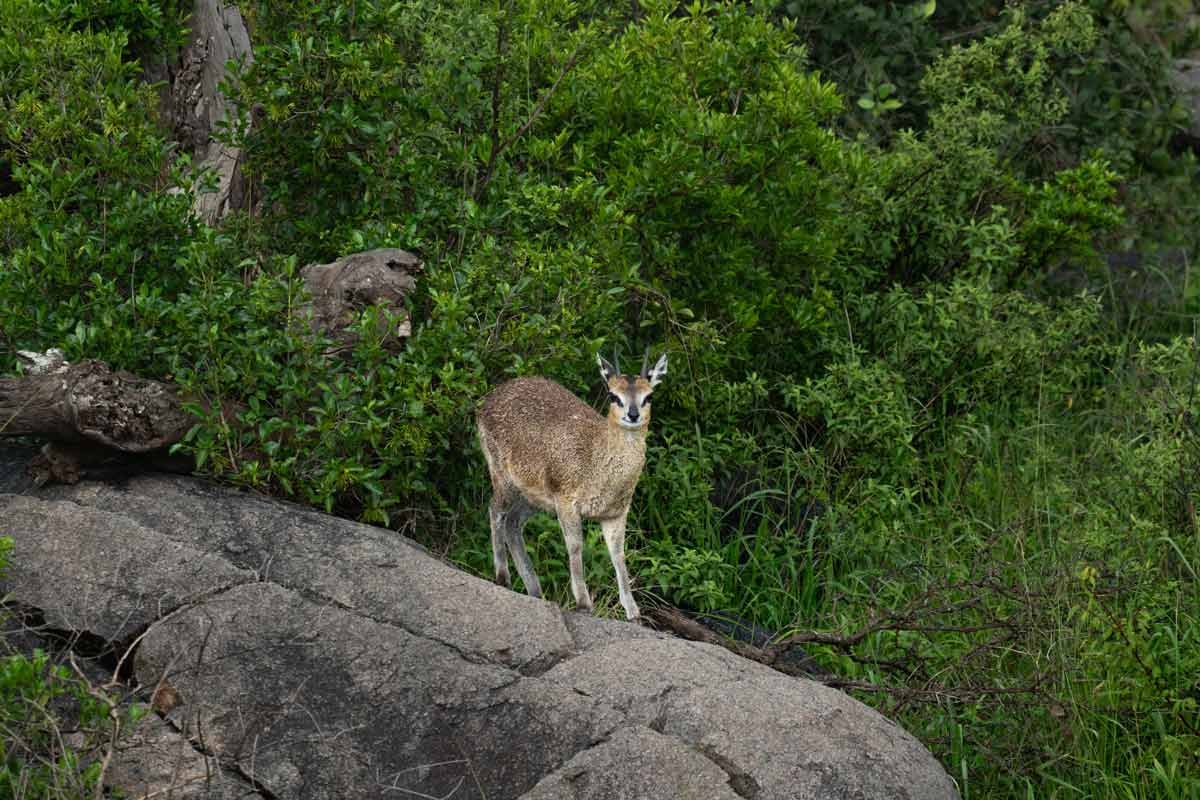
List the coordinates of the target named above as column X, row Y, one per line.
column 554, row 444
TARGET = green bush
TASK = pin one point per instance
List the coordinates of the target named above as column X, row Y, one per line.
column 33, row 762
column 1138, row 589
column 884, row 429
column 879, row 54
column 151, row 25
column 90, row 218
column 39, row 701
column 956, row 200
column 1115, row 106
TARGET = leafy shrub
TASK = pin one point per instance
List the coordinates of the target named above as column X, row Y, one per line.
column 90, row 214
column 954, row 200
column 39, row 701
column 1138, row 585
column 704, row 130
column 33, row 762
column 152, row 25
column 1115, row 107
column 876, row 432
column 876, row 51
column 1122, row 101
column 333, row 151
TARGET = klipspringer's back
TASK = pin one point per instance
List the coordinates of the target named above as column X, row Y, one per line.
column 535, row 433
column 524, row 401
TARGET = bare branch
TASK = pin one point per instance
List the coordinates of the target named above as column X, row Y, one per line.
column 490, row 170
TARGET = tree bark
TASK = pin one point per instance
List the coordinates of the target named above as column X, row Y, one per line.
column 92, row 416
column 89, row 403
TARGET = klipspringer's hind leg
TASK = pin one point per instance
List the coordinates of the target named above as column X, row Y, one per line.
column 572, row 528
column 517, row 516
column 614, row 537
column 497, row 516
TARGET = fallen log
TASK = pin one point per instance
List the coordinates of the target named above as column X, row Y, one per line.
column 90, row 403
column 92, row 415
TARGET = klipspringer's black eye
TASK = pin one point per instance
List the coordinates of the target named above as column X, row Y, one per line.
column 646, row 400
column 612, row 398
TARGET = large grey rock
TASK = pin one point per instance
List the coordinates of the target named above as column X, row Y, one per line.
column 312, row 657
column 716, row 702
column 370, row 571
column 101, row 572
column 637, row 763
column 155, row 755
column 312, row 700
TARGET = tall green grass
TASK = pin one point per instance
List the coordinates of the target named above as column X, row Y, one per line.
column 1029, row 607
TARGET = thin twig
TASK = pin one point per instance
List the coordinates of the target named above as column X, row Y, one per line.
column 113, row 715
column 490, row 170
column 497, row 84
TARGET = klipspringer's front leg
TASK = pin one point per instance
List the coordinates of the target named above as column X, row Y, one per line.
column 572, row 528
column 614, row 537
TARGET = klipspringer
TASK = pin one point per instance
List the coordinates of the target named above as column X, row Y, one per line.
column 547, row 449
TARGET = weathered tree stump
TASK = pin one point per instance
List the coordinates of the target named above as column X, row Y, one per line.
column 91, row 415
column 341, row 290
column 196, row 107
column 90, row 403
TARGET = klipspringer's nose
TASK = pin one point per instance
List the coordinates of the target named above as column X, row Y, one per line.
column 633, row 414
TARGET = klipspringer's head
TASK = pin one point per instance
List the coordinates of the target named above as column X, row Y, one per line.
column 629, row 395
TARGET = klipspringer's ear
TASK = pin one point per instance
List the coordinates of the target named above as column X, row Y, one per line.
column 607, row 370
column 658, row 371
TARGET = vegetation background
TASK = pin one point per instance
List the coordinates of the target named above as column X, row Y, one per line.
column 923, row 269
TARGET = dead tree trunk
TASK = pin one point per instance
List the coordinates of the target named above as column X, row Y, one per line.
column 91, row 415
column 89, row 403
